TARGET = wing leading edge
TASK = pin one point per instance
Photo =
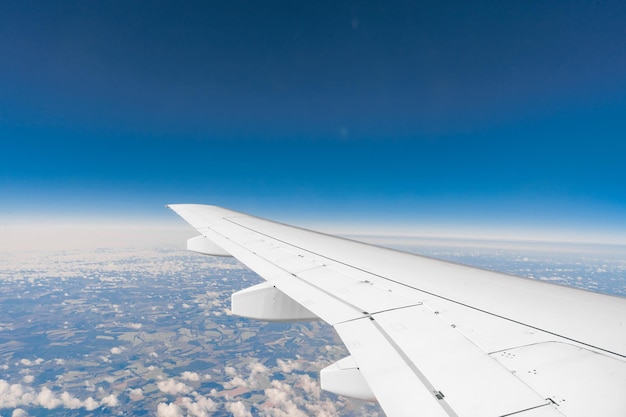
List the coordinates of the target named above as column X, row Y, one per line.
column 427, row 336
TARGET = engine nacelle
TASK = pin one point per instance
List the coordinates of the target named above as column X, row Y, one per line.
column 344, row 378
column 266, row 302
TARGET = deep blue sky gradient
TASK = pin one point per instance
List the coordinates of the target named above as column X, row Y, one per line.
column 488, row 114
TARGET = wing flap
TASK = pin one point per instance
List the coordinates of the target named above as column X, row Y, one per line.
column 344, row 378
column 398, row 389
column 562, row 371
column 451, row 363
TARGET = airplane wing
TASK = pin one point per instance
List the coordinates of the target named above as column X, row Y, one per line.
column 428, row 337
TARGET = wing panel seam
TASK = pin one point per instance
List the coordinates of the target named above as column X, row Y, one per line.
column 528, row 409
column 423, row 379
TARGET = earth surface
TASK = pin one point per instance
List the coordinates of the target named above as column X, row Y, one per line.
column 148, row 331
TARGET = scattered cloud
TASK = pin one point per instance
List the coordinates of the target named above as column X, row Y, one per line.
column 199, row 407
column 18, row 412
column 91, row 404
column 16, row 395
column 245, row 380
column 70, row 402
column 190, row 376
column 238, row 409
column 283, row 400
column 47, row 399
column 309, row 385
column 258, row 368
column 288, row 366
column 169, row 410
column 298, row 397
column 173, row 387
column 110, row 401
column 135, row 394
column 235, row 382
column 28, row 362
column 230, row 371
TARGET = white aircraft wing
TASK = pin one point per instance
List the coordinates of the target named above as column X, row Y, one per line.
column 428, row 337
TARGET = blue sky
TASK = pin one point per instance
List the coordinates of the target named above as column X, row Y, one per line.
column 504, row 116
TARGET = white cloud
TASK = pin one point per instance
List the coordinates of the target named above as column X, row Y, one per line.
column 28, row 379
column 278, row 394
column 110, row 401
column 201, row 407
column 90, row 404
column 259, row 375
column 170, row 386
column 324, row 409
column 258, row 368
column 169, row 410
column 10, row 394
column 70, row 402
column 190, row 376
column 135, row 394
column 15, row 395
column 286, row 401
column 47, row 399
column 288, row 366
column 18, row 412
column 28, row 362
column 310, row 386
column 256, row 378
column 238, row 409
column 116, row 350
column 235, row 382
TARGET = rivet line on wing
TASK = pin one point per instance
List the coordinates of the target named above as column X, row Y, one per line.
column 371, row 315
